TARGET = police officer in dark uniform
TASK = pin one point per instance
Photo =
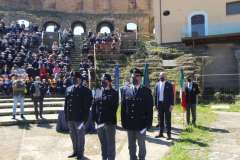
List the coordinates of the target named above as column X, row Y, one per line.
column 77, row 103
column 104, row 114
column 136, row 114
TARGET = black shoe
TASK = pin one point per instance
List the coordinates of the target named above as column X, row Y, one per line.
column 169, row 137
column 159, row 136
column 72, row 155
column 22, row 116
column 157, row 126
column 13, row 117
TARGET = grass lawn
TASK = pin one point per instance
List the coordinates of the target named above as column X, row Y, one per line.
column 232, row 108
column 193, row 143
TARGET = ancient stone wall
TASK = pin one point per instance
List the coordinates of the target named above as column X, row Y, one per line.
column 86, row 6
column 89, row 12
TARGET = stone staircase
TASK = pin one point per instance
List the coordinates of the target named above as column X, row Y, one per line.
column 50, row 111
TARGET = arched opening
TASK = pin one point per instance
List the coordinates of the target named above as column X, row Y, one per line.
column 51, row 27
column 198, row 24
column 23, row 23
column 131, row 27
column 78, row 28
column 105, row 27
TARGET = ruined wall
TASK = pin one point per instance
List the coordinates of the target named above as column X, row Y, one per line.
column 86, row 6
column 90, row 12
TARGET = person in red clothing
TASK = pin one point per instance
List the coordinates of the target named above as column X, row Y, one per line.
column 43, row 72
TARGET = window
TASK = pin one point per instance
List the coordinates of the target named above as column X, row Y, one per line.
column 233, row 8
column 198, row 25
column 131, row 27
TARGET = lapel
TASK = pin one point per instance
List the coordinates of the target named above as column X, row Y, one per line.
column 166, row 87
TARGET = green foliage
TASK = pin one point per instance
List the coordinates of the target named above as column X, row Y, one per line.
column 193, row 142
column 224, row 98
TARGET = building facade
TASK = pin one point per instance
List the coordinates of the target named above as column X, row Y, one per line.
column 213, row 24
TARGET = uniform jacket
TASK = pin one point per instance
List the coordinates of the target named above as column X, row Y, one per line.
column 136, row 108
column 78, row 100
column 105, row 106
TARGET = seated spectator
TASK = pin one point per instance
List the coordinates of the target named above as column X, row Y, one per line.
column 55, row 47
column 56, row 71
column 43, row 72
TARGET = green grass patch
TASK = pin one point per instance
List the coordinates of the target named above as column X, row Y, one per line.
column 194, row 141
column 232, row 108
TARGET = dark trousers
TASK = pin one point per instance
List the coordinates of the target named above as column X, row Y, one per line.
column 191, row 109
column 164, row 115
column 38, row 103
column 90, row 126
column 78, row 138
column 133, row 137
column 106, row 135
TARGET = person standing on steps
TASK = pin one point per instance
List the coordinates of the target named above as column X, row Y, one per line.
column 191, row 91
column 18, row 94
column 37, row 92
column 164, row 101
column 78, row 101
column 136, row 114
column 104, row 114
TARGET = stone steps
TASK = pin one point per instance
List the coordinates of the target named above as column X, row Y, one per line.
column 51, row 107
column 9, row 100
column 30, row 104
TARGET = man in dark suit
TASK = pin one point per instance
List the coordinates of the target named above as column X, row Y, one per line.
column 136, row 114
column 77, row 103
column 191, row 91
column 164, row 101
column 37, row 92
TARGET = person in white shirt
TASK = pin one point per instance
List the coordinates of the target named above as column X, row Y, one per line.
column 164, row 101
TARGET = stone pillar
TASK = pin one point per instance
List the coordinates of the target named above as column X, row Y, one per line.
column 237, row 55
column 157, row 20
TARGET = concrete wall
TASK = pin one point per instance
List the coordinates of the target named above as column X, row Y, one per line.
column 221, row 68
column 176, row 25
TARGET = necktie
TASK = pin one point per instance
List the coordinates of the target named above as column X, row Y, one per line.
column 135, row 90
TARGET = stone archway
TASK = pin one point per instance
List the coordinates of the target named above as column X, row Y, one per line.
column 78, row 28
column 105, row 26
column 51, row 26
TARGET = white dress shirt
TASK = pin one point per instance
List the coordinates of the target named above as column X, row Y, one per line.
column 161, row 91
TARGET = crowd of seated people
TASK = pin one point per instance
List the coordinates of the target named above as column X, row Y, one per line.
column 102, row 41
column 22, row 53
column 18, row 57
